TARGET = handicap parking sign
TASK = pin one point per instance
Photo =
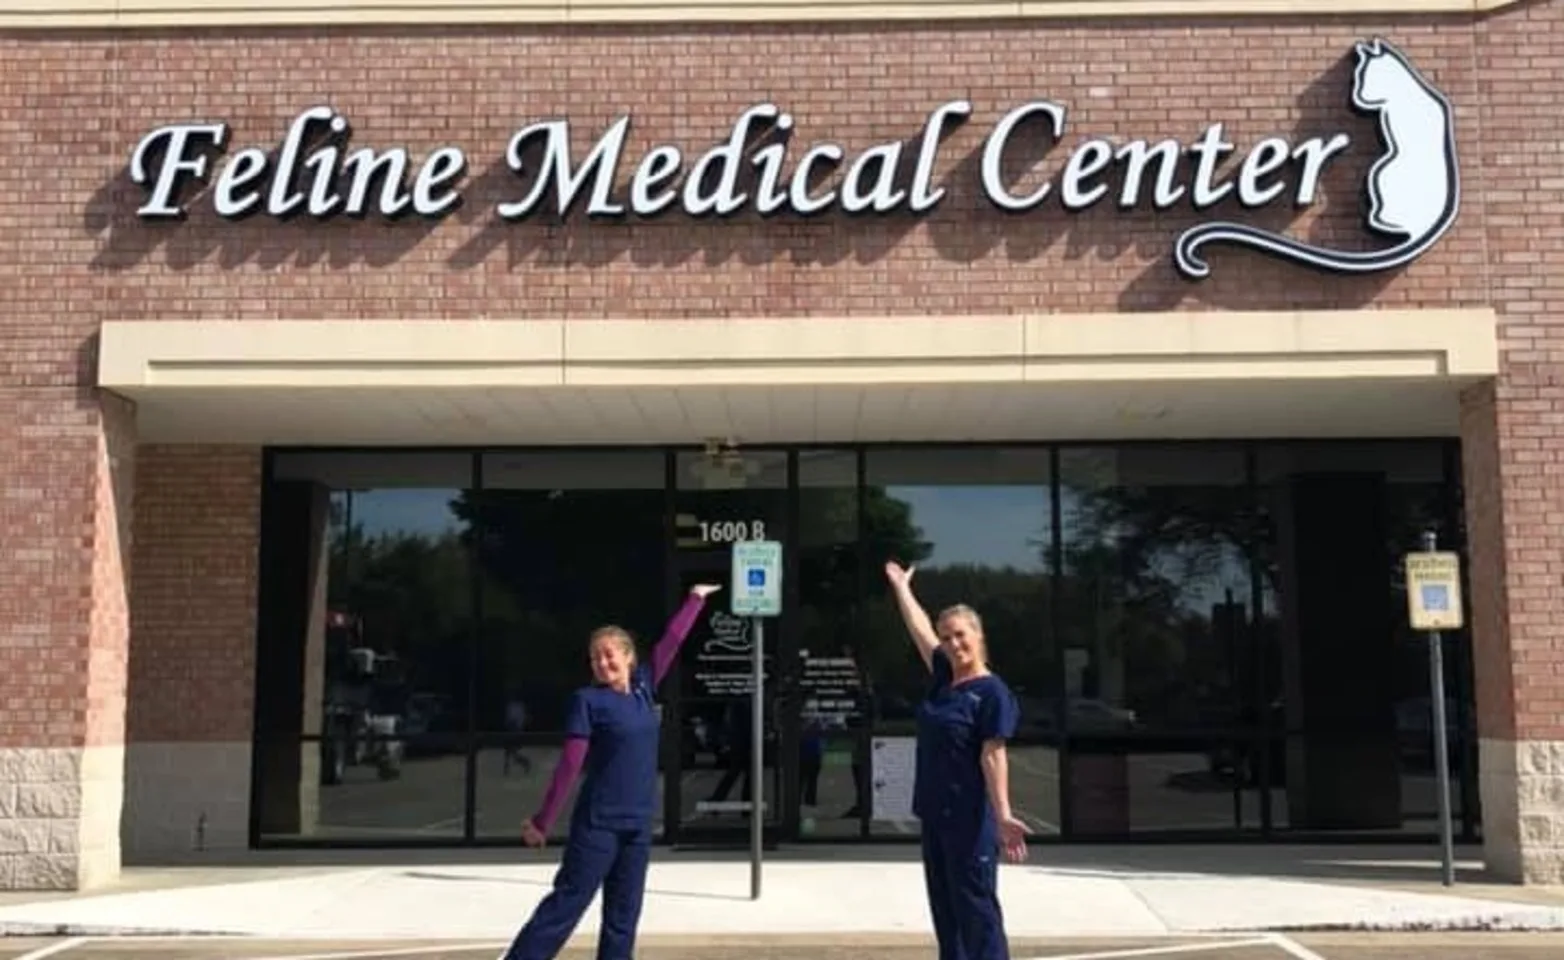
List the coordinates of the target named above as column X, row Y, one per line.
column 757, row 579
column 1433, row 582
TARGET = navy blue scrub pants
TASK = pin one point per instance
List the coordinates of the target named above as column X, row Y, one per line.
column 962, row 875
column 615, row 860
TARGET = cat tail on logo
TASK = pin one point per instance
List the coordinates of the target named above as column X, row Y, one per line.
column 1414, row 188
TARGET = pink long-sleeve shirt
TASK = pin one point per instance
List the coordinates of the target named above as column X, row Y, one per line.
column 573, row 758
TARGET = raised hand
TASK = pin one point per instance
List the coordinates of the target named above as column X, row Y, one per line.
column 704, row 590
column 531, row 835
column 898, row 575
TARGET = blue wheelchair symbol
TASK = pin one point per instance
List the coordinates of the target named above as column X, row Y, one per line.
column 757, row 578
column 1436, row 597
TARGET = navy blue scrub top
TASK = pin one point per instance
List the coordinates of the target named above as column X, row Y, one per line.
column 949, row 792
column 619, row 791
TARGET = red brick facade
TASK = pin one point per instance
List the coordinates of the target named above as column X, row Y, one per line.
column 197, row 530
column 78, row 257
column 857, row 85
column 1519, row 55
column 54, row 639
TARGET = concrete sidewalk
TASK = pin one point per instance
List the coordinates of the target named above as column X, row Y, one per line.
column 866, row 892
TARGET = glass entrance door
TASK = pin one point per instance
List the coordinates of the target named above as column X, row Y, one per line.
column 723, row 497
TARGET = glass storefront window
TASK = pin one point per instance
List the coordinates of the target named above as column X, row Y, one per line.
column 1353, row 747
column 366, row 647
column 566, row 541
column 1154, row 597
column 832, row 701
column 723, row 496
column 1204, row 638
column 977, row 523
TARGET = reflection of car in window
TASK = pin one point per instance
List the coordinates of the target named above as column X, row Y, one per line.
column 366, row 703
column 1242, row 760
column 1088, row 715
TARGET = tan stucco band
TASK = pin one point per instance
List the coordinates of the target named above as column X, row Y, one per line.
column 141, row 357
column 62, row 14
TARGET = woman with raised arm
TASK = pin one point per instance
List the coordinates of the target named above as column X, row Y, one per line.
column 961, row 788
column 611, row 729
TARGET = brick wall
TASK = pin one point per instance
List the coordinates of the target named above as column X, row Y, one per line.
column 49, row 457
column 1485, row 533
column 88, row 97
column 112, row 509
column 76, row 256
column 859, row 85
column 1520, row 55
column 192, row 667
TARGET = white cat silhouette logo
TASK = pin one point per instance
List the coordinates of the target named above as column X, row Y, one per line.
column 1414, row 188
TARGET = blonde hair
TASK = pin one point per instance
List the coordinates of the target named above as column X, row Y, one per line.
column 618, row 635
column 963, row 611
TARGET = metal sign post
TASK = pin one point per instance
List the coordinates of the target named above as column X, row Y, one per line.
column 757, row 593
column 1434, row 604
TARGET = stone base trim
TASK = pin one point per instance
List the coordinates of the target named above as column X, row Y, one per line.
column 186, row 797
column 1522, row 787
column 59, row 817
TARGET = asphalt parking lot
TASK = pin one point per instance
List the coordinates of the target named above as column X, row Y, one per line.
column 1431, row 946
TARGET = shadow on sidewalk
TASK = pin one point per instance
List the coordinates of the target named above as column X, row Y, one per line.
column 1376, row 865
column 545, row 884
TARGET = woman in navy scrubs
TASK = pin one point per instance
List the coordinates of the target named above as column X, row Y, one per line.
column 612, row 729
column 961, row 789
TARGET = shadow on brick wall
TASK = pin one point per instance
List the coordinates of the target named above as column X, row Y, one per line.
column 341, row 242
column 1240, row 277
column 964, row 229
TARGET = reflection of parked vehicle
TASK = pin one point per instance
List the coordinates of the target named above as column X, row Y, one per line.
column 1242, row 760
column 1040, row 716
column 424, row 713
column 366, row 704
column 1089, row 715
column 428, row 716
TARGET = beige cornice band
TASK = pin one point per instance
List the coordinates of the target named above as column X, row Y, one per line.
column 128, row 14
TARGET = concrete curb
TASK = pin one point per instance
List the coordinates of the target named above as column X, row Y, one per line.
column 11, row 929
column 808, row 940
column 1469, row 925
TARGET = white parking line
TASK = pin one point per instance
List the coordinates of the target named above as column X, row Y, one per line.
column 1292, row 946
column 1160, row 951
column 54, row 949
column 439, row 950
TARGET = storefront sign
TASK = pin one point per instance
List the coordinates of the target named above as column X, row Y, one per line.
column 723, row 665
column 832, row 689
column 1413, row 188
column 893, row 766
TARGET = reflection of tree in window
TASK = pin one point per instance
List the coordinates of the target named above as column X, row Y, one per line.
column 1155, row 576
column 410, row 597
column 965, row 513
column 554, row 565
column 829, row 580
